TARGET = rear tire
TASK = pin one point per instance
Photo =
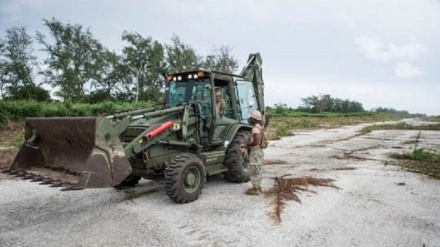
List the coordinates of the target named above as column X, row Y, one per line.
column 130, row 182
column 185, row 178
column 234, row 159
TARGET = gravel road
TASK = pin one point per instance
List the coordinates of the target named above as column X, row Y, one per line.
column 377, row 205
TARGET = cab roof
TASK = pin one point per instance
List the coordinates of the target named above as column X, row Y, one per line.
column 206, row 73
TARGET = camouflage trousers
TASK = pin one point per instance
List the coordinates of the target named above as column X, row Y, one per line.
column 255, row 166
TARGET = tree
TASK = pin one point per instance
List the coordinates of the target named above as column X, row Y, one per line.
column 310, row 103
column 3, row 66
column 107, row 80
column 221, row 60
column 281, row 109
column 181, row 57
column 74, row 58
column 144, row 59
column 16, row 61
column 30, row 91
column 325, row 103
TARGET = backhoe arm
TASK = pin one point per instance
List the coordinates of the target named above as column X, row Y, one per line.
column 254, row 73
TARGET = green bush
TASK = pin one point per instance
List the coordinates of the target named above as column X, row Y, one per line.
column 17, row 111
column 281, row 129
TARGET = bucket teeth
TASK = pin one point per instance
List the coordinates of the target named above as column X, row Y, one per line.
column 46, row 181
column 37, row 179
column 29, row 176
column 20, row 174
column 56, row 184
column 13, row 172
column 6, row 171
column 43, row 179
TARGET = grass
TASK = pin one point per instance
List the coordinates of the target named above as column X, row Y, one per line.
column 283, row 126
column 12, row 135
column 11, row 138
column 400, row 126
column 419, row 160
column 419, row 154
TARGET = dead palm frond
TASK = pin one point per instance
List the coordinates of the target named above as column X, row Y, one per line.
column 286, row 188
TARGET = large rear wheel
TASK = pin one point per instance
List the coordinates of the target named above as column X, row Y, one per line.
column 185, row 178
column 235, row 159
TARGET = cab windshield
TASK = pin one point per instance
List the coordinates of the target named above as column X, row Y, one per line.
column 181, row 92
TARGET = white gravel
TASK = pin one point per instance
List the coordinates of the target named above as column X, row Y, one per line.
column 377, row 205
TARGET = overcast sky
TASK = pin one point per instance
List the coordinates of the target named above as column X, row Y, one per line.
column 378, row 52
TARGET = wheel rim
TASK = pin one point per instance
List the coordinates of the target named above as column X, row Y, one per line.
column 191, row 180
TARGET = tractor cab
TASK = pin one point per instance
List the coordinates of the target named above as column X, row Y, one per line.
column 205, row 90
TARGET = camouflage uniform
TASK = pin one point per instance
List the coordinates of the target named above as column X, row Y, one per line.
column 256, row 156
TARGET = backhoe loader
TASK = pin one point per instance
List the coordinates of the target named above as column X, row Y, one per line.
column 183, row 141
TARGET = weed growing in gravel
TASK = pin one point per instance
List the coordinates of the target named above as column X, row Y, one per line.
column 419, row 155
column 419, row 160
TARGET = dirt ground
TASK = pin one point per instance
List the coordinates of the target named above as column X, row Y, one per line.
column 376, row 205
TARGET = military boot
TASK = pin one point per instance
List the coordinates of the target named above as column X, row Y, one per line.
column 253, row 191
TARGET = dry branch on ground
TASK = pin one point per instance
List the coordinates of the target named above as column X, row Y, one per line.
column 286, row 188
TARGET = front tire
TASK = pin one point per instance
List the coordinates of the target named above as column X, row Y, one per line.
column 185, row 178
column 234, row 159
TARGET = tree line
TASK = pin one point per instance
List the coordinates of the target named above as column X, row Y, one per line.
column 326, row 103
column 320, row 104
column 78, row 67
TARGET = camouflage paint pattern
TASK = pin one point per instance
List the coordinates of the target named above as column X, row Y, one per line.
column 255, row 166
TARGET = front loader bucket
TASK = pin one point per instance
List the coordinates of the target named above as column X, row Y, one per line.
column 80, row 152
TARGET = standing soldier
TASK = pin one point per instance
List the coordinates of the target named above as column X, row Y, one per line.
column 256, row 154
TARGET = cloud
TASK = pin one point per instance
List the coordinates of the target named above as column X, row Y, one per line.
column 406, row 70
column 349, row 22
column 375, row 49
column 15, row 10
column 408, row 52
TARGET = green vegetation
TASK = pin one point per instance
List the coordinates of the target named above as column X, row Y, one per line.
column 419, row 154
column 17, row 111
column 400, row 126
column 280, row 129
column 326, row 103
column 286, row 119
column 280, row 126
column 17, row 140
column 419, row 160
column 77, row 66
